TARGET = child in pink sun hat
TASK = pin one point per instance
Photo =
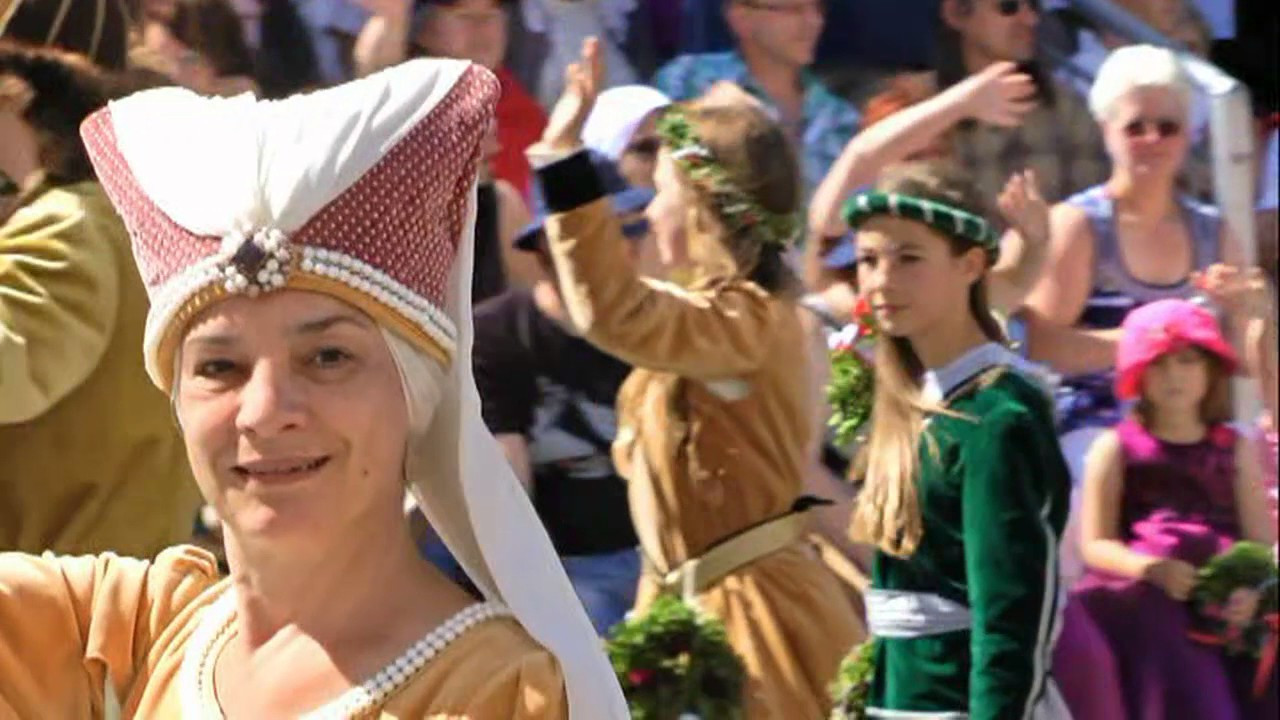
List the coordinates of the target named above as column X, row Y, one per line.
column 1165, row 491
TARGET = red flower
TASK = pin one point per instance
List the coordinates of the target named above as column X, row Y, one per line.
column 861, row 309
column 639, row 676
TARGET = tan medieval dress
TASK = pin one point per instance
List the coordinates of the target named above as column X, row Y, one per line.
column 713, row 427
column 106, row 636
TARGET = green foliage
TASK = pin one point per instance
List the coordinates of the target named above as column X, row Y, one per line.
column 852, row 686
column 674, row 661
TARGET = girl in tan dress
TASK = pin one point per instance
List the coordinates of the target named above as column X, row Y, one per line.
column 715, row 421
column 308, row 264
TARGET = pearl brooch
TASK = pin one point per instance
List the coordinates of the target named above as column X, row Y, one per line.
column 254, row 263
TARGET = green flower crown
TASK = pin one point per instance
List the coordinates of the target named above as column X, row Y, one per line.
column 943, row 218
column 739, row 211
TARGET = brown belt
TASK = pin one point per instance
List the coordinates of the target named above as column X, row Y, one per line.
column 697, row 574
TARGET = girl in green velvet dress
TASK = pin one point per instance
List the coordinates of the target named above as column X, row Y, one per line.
column 965, row 491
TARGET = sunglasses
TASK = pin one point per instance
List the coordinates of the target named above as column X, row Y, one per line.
column 644, row 146
column 1164, row 128
column 1009, row 8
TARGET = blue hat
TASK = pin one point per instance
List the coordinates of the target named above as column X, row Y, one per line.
column 844, row 254
column 626, row 200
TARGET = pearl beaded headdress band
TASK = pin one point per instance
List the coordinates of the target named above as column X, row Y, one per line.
column 941, row 217
column 739, row 211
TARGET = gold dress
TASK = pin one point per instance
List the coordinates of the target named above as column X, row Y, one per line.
column 92, row 460
column 713, row 427
column 95, row 635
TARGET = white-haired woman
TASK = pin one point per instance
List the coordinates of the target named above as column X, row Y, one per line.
column 1129, row 241
column 308, row 263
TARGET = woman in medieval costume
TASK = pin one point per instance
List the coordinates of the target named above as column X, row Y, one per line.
column 308, row 263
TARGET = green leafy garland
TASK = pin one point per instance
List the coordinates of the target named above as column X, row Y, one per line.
column 852, row 384
column 739, row 211
column 852, row 686
column 674, row 663
column 1244, row 565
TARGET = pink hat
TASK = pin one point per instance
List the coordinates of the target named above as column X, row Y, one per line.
column 1162, row 327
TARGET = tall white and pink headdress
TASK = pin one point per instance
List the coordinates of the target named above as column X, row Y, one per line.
column 365, row 192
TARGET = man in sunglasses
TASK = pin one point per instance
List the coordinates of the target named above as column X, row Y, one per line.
column 775, row 43
column 1059, row 139
column 548, row 396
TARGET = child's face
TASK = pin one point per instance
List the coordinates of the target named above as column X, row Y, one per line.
column 1177, row 381
column 911, row 277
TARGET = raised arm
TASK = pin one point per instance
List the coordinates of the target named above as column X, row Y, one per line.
column 58, row 301
column 384, row 39
column 1024, row 247
column 1056, row 302
column 717, row 333
column 70, row 625
column 999, row 95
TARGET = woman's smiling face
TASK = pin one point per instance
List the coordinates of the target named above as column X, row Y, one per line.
column 293, row 413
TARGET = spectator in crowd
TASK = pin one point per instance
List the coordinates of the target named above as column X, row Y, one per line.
column 331, row 30
column 1168, row 488
column 500, row 216
column 1059, row 140
column 1119, row 244
column 92, row 459
column 474, row 30
column 1180, row 21
column 201, row 47
column 286, row 60
column 548, row 396
column 564, row 25
column 775, row 41
column 621, row 128
column 96, row 29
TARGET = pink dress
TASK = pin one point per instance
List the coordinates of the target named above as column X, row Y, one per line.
column 1128, row 637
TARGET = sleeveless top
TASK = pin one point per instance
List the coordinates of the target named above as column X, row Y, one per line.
column 1179, row 498
column 1088, row 400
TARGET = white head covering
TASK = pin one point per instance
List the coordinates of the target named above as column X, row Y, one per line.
column 200, row 180
column 616, row 116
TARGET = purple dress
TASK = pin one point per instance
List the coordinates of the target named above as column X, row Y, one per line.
column 1124, row 650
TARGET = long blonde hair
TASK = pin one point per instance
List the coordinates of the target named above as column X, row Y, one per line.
column 888, row 510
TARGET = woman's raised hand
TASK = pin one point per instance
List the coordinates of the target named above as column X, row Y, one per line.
column 1024, row 208
column 999, row 95
column 1243, row 293
column 583, row 82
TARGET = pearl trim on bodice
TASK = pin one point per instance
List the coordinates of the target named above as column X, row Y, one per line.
column 215, row 628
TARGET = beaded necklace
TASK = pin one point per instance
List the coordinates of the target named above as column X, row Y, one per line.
column 216, row 627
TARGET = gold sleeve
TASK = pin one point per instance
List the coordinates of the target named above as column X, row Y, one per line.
column 59, row 290
column 719, row 332
column 69, row 625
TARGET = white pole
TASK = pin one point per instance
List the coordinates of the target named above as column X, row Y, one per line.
column 1232, row 140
